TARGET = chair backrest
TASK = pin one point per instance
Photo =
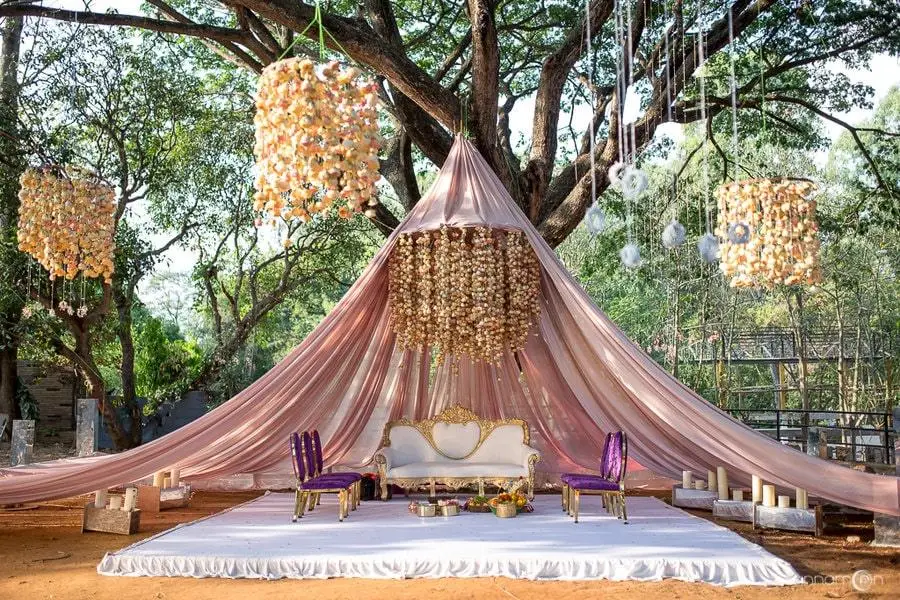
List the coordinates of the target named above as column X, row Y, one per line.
column 317, row 450
column 618, row 457
column 298, row 461
column 607, row 441
column 309, row 455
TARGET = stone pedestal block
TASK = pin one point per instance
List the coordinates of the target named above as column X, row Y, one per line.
column 22, row 443
column 86, row 423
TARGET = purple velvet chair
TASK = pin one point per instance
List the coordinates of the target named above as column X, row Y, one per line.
column 565, row 477
column 352, row 480
column 610, row 486
column 309, row 488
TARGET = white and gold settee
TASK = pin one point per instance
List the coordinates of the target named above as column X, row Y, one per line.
column 456, row 448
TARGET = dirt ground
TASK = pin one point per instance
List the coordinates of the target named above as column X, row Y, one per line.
column 44, row 555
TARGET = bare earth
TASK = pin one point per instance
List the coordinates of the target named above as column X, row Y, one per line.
column 44, row 555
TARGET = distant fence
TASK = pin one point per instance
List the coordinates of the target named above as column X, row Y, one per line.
column 850, row 436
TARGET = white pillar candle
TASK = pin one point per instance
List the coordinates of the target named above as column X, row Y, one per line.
column 711, row 478
column 784, row 501
column 167, row 482
column 768, row 495
column 757, row 489
column 115, row 502
column 100, row 499
column 130, row 499
column 699, row 485
column 802, row 499
column 737, row 495
column 722, row 478
column 175, row 475
column 158, row 479
column 686, row 477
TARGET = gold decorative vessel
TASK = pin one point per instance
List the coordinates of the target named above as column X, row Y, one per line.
column 426, row 510
column 505, row 510
column 450, row 510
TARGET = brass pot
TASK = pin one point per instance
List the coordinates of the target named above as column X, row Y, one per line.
column 426, row 510
column 506, row 510
column 451, row 510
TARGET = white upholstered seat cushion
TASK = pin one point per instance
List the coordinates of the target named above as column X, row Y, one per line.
column 458, row 468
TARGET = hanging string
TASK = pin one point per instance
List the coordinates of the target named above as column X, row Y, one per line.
column 629, row 62
column 587, row 23
column 629, row 158
column 701, row 60
column 734, row 123
column 323, row 49
column 620, row 82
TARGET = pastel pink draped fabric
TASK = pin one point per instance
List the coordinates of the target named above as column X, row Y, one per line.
column 578, row 377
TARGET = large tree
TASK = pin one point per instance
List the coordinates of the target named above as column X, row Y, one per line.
column 442, row 63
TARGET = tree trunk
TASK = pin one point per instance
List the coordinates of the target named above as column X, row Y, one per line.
column 83, row 357
column 8, row 378
column 11, row 166
column 129, row 395
column 212, row 368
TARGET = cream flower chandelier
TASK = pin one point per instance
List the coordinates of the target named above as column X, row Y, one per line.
column 67, row 222
column 317, row 140
column 769, row 233
column 464, row 291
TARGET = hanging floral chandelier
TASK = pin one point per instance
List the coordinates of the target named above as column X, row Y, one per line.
column 769, row 233
column 317, row 140
column 464, row 291
column 67, row 222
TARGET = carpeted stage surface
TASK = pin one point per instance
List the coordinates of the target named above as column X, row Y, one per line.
column 383, row 541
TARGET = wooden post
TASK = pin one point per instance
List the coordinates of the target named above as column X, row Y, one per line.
column 782, row 392
column 720, row 383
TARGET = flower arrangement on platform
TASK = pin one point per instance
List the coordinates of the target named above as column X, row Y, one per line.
column 769, row 232
column 67, row 222
column 464, row 291
column 477, row 504
column 317, row 140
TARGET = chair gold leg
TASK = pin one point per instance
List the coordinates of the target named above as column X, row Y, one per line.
column 340, row 506
column 624, row 510
column 296, row 514
column 577, row 504
column 563, row 498
column 301, row 508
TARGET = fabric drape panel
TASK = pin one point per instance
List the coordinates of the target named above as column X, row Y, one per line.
column 578, row 377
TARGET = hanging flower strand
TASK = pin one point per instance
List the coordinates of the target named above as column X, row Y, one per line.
column 67, row 222
column 463, row 292
column 317, row 141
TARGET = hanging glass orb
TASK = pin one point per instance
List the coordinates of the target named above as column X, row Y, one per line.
column 769, row 231
column 615, row 175
column 673, row 235
column 595, row 219
column 739, row 233
column 630, row 255
column 634, row 182
column 708, row 246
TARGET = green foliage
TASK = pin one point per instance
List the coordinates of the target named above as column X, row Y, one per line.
column 165, row 363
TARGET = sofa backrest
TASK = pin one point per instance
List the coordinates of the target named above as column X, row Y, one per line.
column 409, row 445
column 455, row 434
column 500, row 446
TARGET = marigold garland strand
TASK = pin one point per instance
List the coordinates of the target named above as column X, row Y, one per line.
column 464, row 292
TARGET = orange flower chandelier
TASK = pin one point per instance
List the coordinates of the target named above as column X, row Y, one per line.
column 769, row 233
column 317, row 140
column 67, row 222
column 464, row 291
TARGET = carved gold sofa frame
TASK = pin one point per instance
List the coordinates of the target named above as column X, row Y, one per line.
column 507, row 460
